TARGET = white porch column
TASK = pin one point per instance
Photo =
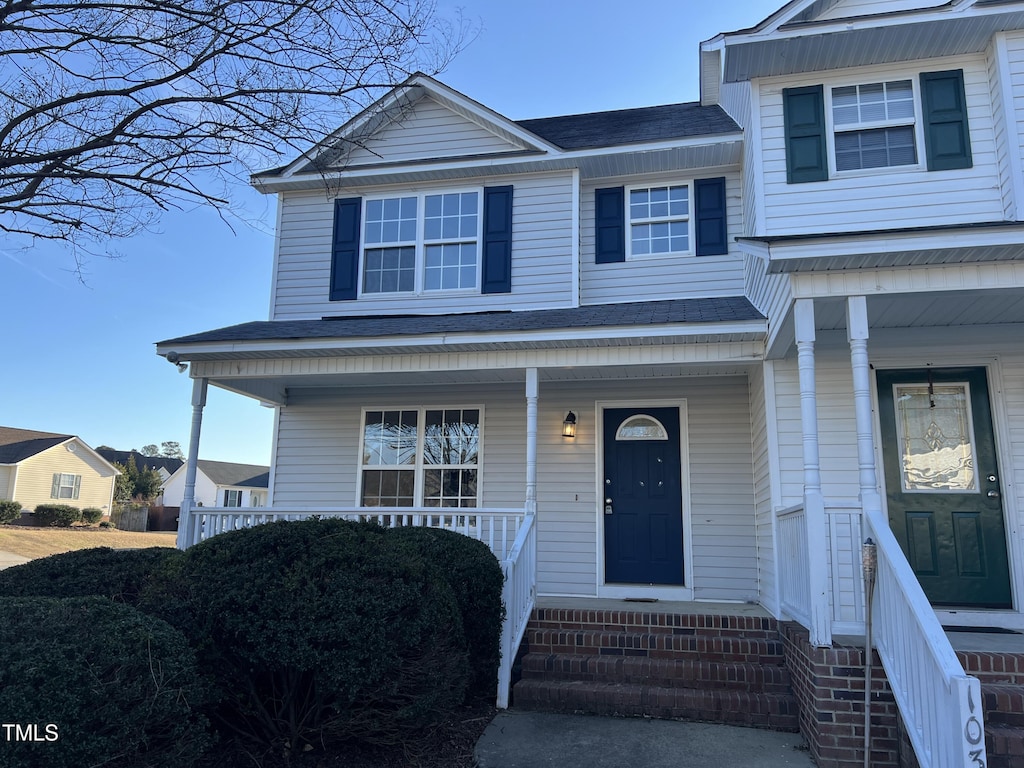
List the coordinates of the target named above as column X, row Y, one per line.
column 814, row 502
column 532, row 390
column 187, row 532
column 857, row 334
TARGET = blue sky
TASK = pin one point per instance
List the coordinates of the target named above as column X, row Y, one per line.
column 79, row 358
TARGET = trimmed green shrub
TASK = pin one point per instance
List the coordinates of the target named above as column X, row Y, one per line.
column 475, row 576
column 319, row 631
column 59, row 515
column 119, row 574
column 108, row 684
column 9, row 511
column 91, row 515
column 107, row 524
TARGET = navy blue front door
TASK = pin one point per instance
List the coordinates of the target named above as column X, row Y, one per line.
column 643, row 520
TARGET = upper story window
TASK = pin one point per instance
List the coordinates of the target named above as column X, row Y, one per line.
column 422, row 243
column 665, row 219
column 888, row 124
column 659, row 220
column 873, row 125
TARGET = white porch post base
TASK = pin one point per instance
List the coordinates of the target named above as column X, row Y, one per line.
column 814, row 503
column 187, row 535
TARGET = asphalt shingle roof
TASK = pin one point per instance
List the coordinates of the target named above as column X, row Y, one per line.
column 711, row 310
column 240, row 475
column 19, row 444
column 632, row 126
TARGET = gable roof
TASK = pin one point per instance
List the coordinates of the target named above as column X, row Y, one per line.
column 238, row 475
column 20, row 444
column 632, row 126
column 170, row 465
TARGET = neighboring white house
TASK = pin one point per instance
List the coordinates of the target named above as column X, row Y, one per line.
column 221, row 484
column 165, row 466
column 45, row 467
column 705, row 349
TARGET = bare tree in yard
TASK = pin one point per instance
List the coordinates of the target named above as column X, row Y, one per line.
column 113, row 111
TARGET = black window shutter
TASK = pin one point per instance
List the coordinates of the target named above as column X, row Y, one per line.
column 610, row 223
column 345, row 253
column 947, row 139
column 709, row 201
column 804, row 116
column 497, row 248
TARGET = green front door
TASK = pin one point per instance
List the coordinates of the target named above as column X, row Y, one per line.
column 942, row 483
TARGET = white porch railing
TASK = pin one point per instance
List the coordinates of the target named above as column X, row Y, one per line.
column 519, row 596
column 794, row 582
column 940, row 704
column 497, row 528
column 510, row 533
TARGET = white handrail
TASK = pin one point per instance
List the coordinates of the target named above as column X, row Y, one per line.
column 518, row 595
column 939, row 702
column 794, row 584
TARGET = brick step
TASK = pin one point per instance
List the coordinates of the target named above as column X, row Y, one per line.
column 993, row 666
column 652, row 622
column 1004, row 745
column 772, row 711
column 663, row 672
column 1003, row 703
column 755, row 650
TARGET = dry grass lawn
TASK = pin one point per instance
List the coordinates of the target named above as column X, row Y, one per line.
column 40, row 542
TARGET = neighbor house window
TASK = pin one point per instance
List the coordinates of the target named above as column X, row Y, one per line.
column 427, row 242
column 659, row 220
column 873, row 125
column 232, row 498
column 427, row 457
column 65, row 486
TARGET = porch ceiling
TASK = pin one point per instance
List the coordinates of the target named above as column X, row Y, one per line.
column 928, row 310
column 275, row 389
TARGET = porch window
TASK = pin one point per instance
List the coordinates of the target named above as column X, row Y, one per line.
column 232, row 498
column 874, row 125
column 422, row 243
column 659, row 220
column 426, row 457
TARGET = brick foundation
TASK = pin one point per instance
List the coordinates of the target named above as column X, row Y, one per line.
column 829, row 685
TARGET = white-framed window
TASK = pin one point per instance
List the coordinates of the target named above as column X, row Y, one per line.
column 659, row 220
column 421, row 243
column 874, row 125
column 65, row 486
column 232, row 498
column 421, row 457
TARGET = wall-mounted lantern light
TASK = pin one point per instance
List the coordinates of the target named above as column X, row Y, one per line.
column 569, row 425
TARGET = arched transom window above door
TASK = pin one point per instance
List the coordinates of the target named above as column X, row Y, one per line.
column 641, row 427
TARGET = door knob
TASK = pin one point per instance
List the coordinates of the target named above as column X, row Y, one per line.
column 993, row 494
column 607, row 506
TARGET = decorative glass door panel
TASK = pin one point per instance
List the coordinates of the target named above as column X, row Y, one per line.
column 936, row 438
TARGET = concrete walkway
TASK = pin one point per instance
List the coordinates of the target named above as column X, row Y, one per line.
column 532, row 740
column 7, row 559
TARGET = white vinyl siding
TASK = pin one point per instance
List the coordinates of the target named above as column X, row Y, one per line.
column 1004, row 127
column 764, row 513
column 542, row 241
column 883, row 198
column 317, row 449
column 1013, row 139
column 736, row 100
column 651, row 278
column 427, row 131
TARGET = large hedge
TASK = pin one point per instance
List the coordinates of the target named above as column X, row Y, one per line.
column 59, row 515
column 106, row 684
column 475, row 576
column 319, row 631
column 120, row 574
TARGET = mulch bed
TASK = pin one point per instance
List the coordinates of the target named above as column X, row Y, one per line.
column 450, row 745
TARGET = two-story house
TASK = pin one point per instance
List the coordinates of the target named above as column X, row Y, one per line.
column 692, row 353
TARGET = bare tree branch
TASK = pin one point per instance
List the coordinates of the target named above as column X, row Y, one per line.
column 111, row 112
